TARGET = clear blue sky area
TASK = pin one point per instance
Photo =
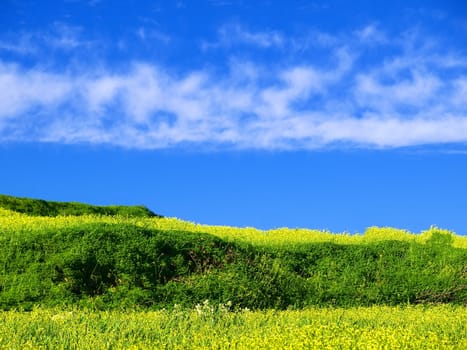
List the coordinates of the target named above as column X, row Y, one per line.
column 333, row 115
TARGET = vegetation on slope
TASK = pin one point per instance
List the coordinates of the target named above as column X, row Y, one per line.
column 38, row 207
column 106, row 262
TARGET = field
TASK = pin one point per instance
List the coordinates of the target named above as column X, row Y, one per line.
column 79, row 276
column 209, row 327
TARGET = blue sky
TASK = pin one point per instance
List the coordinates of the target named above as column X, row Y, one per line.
column 334, row 115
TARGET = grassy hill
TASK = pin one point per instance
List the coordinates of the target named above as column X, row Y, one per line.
column 38, row 207
column 111, row 257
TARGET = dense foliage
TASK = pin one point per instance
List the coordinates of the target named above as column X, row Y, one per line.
column 48, row 208
column 105, row 262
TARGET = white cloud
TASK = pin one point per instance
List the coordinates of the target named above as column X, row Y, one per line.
column 371, row 34
column 417, row 90
column 150, row 35
column 459, row 95
column 59, row 36
column 410, row 98
column 22, row 44
column 22, row 90
column 101, row 91
column 235, row 34
column 395, row 131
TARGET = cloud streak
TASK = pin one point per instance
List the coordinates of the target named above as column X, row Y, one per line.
column 59, row 37
column 407, row 99
column 234, row 34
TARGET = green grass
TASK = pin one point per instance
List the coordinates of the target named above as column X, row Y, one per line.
column 103, row 262
column 38, row 207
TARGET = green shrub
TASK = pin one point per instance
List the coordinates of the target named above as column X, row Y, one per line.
column 121, row 265
column 38, row 207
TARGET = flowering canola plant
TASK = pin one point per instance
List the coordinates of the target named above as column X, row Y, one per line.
column 210, row 326
column 216, row 327
column 14, row 223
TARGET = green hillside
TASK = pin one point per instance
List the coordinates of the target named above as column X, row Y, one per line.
column 38, row 207
column 120, row 260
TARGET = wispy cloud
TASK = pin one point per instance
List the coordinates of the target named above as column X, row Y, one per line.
column 26, row 90
column 234, row 34
column 60, row 36
column 411, row 97
column 150, row 35
column 371, row 34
